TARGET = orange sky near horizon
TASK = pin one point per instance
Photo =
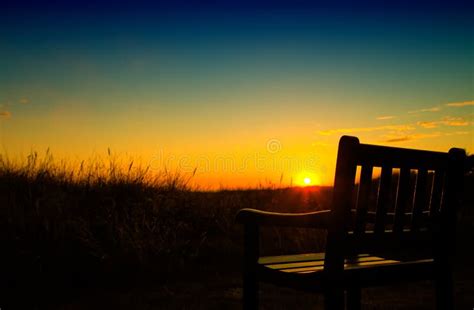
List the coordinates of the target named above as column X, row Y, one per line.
column 246, row 94
column 282, row 156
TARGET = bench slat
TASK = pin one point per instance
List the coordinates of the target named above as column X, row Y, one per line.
column 266, row 260
column 318, row 264
column 383, row 198
column 436, row 193
column 402, row 199
column 389, row 241
column 303, row 264
column 420, row 198
column 380, row 156
column 363, row 198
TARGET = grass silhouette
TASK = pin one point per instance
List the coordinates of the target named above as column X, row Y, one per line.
column 109, row 222
column 65, row 225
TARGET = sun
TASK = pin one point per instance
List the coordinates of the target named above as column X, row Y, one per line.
column 307, row 178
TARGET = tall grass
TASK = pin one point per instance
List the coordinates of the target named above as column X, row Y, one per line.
column 95, row 171
column 57, row 218
column 109, row 215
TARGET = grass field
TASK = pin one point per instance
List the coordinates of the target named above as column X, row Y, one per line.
column 99, row 236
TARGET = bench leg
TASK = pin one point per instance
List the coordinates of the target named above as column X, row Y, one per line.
column 250, row 293
column 354, row 298
column 251, row 253
column 444, row 290
column 334, row 299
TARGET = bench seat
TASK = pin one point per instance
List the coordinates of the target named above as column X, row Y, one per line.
column 306, row 271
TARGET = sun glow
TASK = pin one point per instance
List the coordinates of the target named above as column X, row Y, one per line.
column 307, row 178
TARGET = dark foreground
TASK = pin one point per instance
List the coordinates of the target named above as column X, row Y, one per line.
column 222, row 290
column 218, row 286
column 124, row 244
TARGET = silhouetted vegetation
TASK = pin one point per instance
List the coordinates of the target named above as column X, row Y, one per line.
column 106, row 223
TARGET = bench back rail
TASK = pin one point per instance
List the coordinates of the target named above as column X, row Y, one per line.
column 408, row 207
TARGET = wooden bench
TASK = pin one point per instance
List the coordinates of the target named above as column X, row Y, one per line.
column 415, row 241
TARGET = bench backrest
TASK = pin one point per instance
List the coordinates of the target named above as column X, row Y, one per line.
column 412, row 207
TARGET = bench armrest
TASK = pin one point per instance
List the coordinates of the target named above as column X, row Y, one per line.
column 317, row 219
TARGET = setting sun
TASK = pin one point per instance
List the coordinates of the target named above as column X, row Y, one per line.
column 307, row 178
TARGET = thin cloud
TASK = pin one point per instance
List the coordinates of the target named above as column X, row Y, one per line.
column 366, row 129
column 5, row 114
column 460, row 104
column 457, row 133
column 5, row 105
column 446, row 121
column 385, row 117
column 428, row 125
column 412, row 137
column 24, row 100
column 402, row 132
column 394, row 139
column 433, row 109
column 401, row 139
column 455, row 121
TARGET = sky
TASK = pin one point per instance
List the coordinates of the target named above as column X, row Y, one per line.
column 247, row 94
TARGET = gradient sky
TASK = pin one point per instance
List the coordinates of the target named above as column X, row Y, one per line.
column 249, row 93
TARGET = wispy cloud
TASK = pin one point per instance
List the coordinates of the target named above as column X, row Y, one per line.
column 367, row 129
column 385, row 117
column 457, row 133
column 400, row 139
column 412, row 137
column 455, row 121
column 5, row 105
column 446, row 121
column 24, row 100
column 403, row 138
column 460, row 104
column 433, row 109
column 5, row 114
column 428, row 125
column 439, row 108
